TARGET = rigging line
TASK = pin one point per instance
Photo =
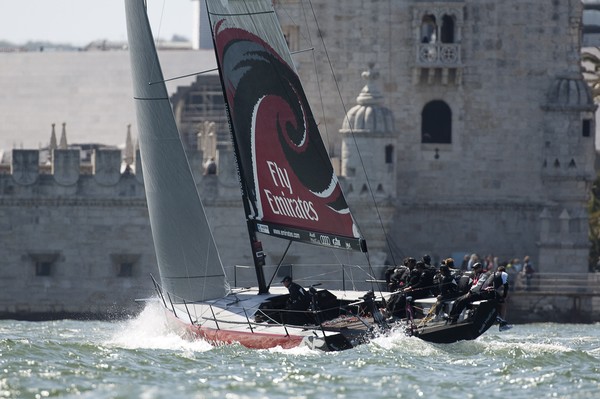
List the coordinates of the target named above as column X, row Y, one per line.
column 214, row 69
column 373, row 284
column 353, row 136
column 324, row 119
column 302, row 51
column 162, row 12
column 282, row 7
column 280, row 263
column 184, row 76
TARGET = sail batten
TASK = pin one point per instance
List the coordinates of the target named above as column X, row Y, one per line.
column 288, row 177
column 188, row 261
column 241, row 14
column 151, row 98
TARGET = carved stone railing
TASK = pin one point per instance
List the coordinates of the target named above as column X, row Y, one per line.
column 438, row 55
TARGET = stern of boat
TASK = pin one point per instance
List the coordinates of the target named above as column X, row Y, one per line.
column 479, row 317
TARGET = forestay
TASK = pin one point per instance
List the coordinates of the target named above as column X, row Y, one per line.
column 288, row 181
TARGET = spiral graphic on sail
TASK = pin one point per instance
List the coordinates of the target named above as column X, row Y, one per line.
column 277, row 137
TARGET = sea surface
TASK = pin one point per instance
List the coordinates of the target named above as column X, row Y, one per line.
column 139, row 358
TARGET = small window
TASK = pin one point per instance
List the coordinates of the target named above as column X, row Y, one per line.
column 43, row 262
column 291, row 33
column 389, row 154
column 126, row 269
column 428, row 29
column 586, row 128
column 447, row 31
column 124, row 264
column 574, row 226
column 436, row 123
column 43, row 268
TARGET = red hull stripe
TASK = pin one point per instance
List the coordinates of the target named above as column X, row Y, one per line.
column 247, row 339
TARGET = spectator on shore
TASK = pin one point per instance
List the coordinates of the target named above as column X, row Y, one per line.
column 512, row 274
column 472, row 260
column 528, row 271
column 465, row 263
column 501, row 286
column 516, row 263
column 489, row 263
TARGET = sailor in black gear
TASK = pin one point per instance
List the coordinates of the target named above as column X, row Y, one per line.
column 299, row 299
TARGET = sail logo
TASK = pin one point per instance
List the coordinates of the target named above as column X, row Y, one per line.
column 280, row 176
column 325, row 240
column 262, row 228
column 280, row 203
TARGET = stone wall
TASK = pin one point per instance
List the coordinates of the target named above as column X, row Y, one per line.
column 64, row 236
column 513, row 180
column 511, row 78
column 68, row 233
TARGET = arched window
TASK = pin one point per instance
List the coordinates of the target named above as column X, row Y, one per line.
column 436, row 123
column 447, row 31
column 428, row 29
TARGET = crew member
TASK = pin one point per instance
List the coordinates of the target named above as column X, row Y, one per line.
column 299, row 299
column 475, row 292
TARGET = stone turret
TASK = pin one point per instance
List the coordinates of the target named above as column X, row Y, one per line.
column 63, row 138
column 369, row 143
column 53, row 142
column 567, row 167
column 369, row 164
column 128, row 157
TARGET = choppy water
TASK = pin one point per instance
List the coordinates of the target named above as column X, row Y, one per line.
column 139, row 359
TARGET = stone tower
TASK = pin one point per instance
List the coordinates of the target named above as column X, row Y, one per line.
column 487, row 96
column 567, row 173
column 369, row 163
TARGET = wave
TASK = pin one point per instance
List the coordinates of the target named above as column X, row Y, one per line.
column 149, row 331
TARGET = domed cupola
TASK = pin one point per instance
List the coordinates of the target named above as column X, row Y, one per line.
column 570, row 92
column 369, row 115
column 369, row 144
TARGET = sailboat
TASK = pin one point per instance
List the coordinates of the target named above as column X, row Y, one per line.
column 288, row 187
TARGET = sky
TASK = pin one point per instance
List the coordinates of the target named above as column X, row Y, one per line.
column 79, row 22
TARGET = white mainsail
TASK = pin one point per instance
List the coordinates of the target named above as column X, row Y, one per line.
column 188, row 260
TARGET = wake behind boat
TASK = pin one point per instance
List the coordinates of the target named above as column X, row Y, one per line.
column 289, row 191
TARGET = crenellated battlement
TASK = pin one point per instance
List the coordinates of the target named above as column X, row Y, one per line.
column 65, row 175
column 66, row 166
column 104, row 174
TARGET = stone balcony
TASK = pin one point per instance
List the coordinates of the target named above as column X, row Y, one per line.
column 438, row 63
column 444, row 55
